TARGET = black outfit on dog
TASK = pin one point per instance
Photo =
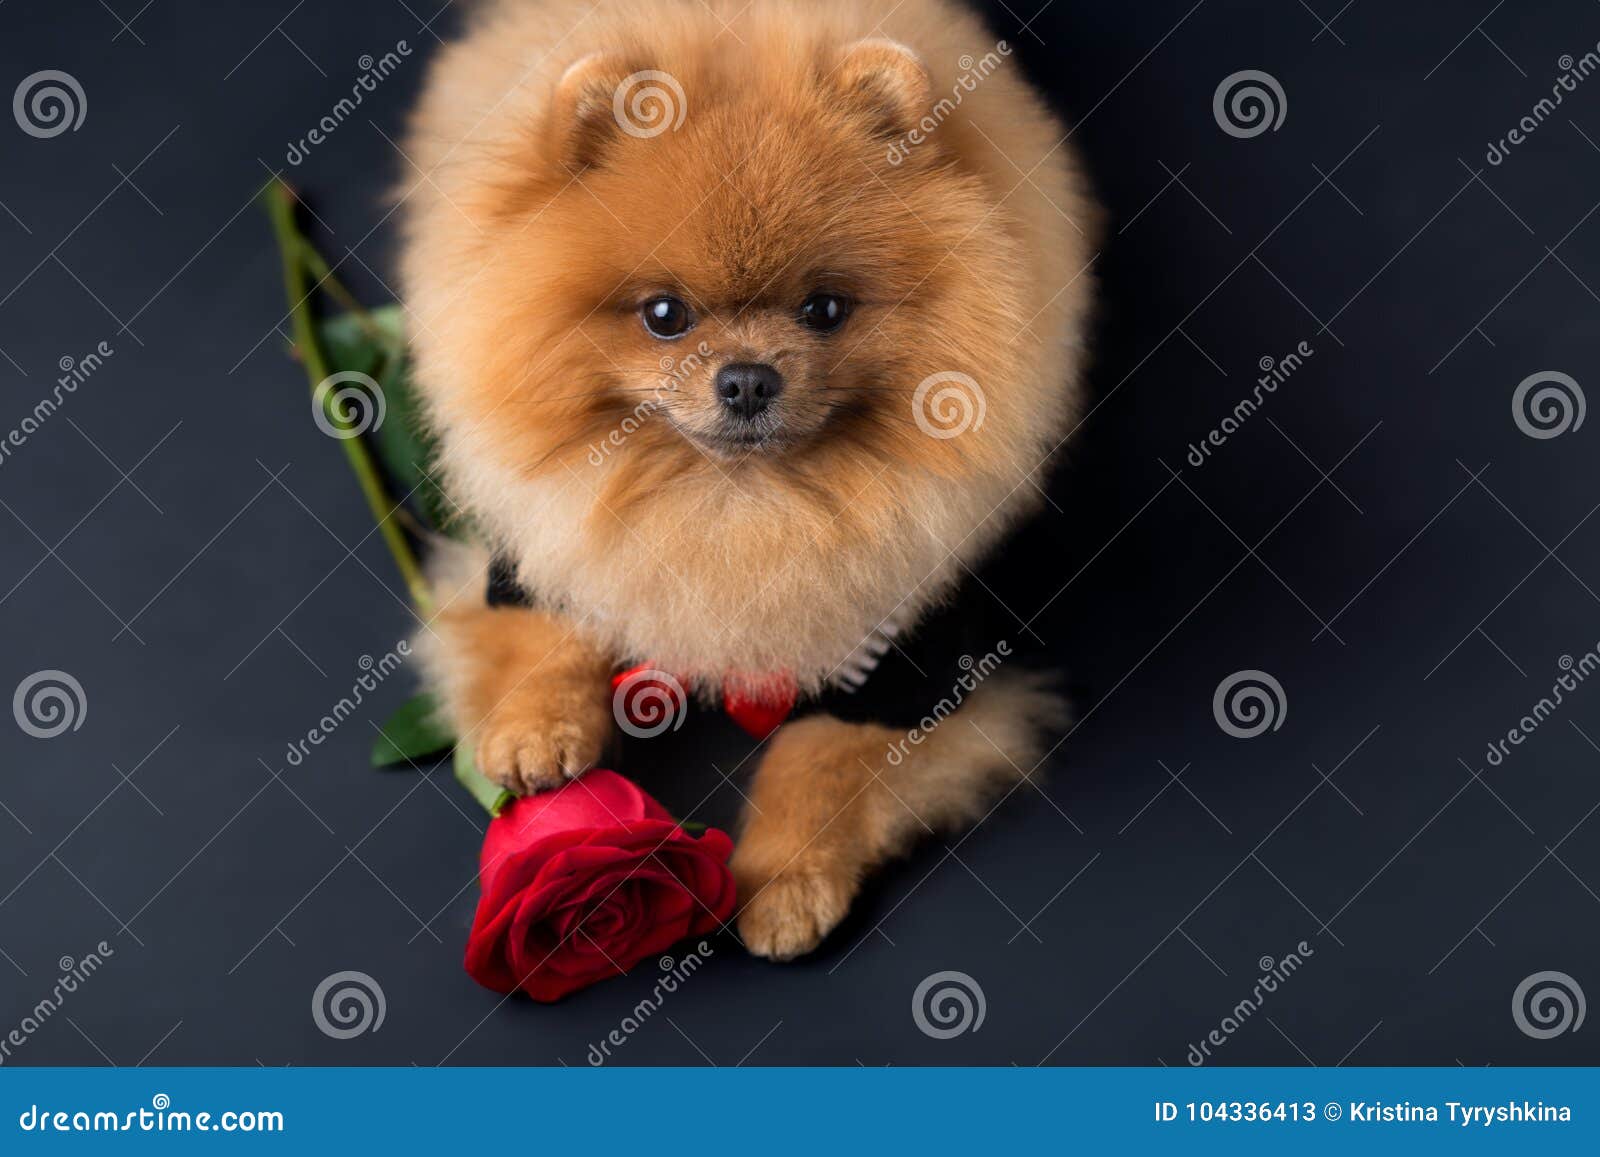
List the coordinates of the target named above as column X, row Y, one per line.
column 938, row 661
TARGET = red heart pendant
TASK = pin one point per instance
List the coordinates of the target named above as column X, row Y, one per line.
column 761, row 711
column 649, row 700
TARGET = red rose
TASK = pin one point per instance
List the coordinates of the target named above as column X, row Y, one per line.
column 582, row 883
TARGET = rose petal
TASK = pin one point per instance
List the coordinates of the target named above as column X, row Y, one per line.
column 598, row 799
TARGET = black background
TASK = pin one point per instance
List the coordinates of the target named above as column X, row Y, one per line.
column 1382, row 538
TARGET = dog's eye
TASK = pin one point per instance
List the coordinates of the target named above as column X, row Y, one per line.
column 666, row 317
column 824, row 312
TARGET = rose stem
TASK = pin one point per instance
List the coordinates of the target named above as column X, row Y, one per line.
column 293, row 248
column 317, row 266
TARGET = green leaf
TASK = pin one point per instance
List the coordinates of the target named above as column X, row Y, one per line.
column 492, row 797
column 372, row 342
column 413, row 733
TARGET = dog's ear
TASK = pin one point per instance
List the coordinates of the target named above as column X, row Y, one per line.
column 603, row 97
column 581, row 120
column 887, row 79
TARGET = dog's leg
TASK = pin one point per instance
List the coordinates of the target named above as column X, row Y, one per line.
column 829, row 805
column 524, row 689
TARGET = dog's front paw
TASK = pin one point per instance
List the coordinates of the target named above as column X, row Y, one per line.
column 787, row 915
column 526, row 753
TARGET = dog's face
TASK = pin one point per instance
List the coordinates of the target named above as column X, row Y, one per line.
column 724, row 365
column 706, row 265
column 766, row 373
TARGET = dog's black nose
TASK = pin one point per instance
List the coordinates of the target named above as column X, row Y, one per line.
column 746, row 388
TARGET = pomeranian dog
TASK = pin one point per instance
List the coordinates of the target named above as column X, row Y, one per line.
column 746, row 329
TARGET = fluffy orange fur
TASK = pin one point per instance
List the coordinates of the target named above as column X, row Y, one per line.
column 827, row 807
column 583, row 448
